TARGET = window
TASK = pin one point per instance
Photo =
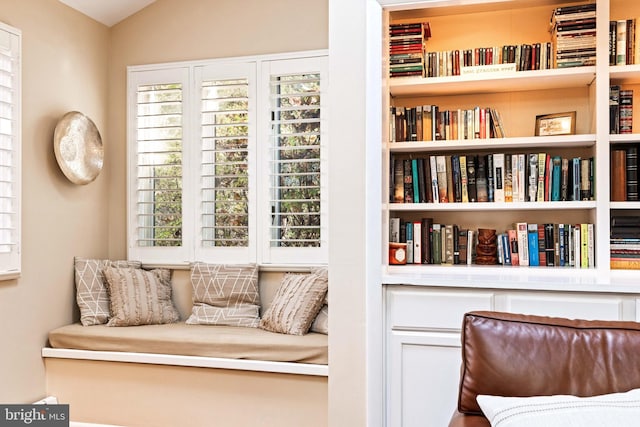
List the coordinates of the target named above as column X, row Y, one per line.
column 10, row 151
column 227, row 161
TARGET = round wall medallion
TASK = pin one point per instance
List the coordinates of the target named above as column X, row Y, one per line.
column 78, row 148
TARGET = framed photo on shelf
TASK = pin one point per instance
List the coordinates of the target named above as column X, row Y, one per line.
column 556, row 124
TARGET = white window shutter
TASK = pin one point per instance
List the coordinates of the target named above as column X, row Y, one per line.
column 157, row 156
column 295, row 166
column 10, row 151
column 226, row 199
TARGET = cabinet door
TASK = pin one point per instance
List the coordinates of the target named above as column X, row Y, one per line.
column 422, row 378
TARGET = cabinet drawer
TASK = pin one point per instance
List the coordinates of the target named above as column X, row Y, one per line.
column 422, row 309
column 569, row 306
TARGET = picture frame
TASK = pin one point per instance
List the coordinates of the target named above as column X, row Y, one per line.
column 556, row 124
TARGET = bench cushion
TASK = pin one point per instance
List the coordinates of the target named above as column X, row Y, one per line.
column 194, row 340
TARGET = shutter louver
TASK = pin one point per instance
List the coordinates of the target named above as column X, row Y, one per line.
column 159, row 165
column 295, row 161
column 224, row 168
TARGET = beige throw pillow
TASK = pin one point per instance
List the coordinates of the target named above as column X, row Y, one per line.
column 225, row 295
column 321, row 322
column 295, row 304
column 140, row 297
column 92, row 295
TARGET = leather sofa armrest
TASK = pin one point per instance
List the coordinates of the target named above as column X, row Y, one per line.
column 461, row 420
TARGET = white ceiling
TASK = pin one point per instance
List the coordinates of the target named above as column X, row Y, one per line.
column 109, row 12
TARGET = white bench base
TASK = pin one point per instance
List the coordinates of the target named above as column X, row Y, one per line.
column 159, row 390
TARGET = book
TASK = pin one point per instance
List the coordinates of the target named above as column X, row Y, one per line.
column 564, row 180
column 462, row 244
column 427, row 230
column 549, row 247
column 523, row 243
column 471, row 178
column 575, row 178
column 542, row 163
column 626, row 111
column 584, row 246
column 415, row 180
column 614, row 109
column 448, row 249
column 490, row 177
column 408, row 181
column 398, row 174
column 621, row 42
column 449, row 169
column 441, row 168
column 512, row 238
column 471, row 246
column 556, row 177
column 482, row 191
column 409, row 241
column 498, row 177
column 464, row 182
column 533, row 177
column 515, row 175
column 542, row 254
column 436, row 244
column 457, row 178
column 456, row 245
column 561, row 245
column 394, row 230
column 631, row 166
column 435, row 186
column 585, row 182
column 591, row 245
column 508, row 177
column 532, row 238
column 618, row 175
column 417, row 242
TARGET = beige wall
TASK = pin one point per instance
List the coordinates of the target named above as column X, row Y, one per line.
column 176, row 30
column 64, row 68
column 71, row 62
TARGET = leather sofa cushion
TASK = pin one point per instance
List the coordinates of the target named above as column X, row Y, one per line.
column 507, row 354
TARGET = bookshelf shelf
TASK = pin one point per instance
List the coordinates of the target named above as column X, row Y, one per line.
column 625, row 74
column 624, row 205
column 625, row 138
column 491, row 206
column 519, row 81
column 587, row 140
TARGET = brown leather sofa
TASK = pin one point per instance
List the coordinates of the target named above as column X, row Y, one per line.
column 507, row 354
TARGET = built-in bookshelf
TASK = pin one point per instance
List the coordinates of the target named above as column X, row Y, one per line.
column 624, row 138
column 522, row 98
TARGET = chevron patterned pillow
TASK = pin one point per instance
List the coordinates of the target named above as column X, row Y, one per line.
column 92, row 295
column 225, row 295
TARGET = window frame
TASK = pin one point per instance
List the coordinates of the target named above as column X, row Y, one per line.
column 259, row 132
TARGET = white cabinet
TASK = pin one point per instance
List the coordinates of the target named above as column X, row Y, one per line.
column 422, row 339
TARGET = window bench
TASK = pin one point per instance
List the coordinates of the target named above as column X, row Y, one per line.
column 196, row 375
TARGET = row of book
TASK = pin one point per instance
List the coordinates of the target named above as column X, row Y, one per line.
column 525, row 244
column 625, row 242
column 624, row 173
column 524, row 57
column 430, row 123
column 499, row 177
column 573, row 30
column 406, row 48
column 623, row 48
column 620, row 110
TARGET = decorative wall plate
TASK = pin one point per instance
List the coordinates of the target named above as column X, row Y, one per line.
column 78, row 148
